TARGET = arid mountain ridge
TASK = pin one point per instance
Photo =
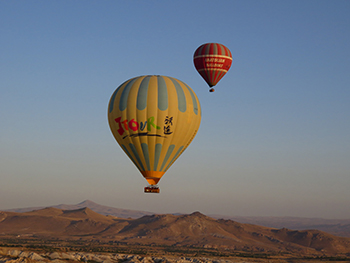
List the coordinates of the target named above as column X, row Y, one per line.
column 338, row 227
column 190, row 230
column 101, row 209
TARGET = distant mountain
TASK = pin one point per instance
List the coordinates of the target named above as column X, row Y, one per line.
column 101, row 209
column 191, row 230
column 338, row 227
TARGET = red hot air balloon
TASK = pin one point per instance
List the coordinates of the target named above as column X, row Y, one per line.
column 212, row 61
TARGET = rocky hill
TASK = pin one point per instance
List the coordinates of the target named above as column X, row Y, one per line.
column 338, row 227
column 192, row 230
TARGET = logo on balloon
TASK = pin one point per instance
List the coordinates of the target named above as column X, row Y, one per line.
column 134, row 125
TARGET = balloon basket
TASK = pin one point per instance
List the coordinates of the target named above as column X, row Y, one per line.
column 152, row 189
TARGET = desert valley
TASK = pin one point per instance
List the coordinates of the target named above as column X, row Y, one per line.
column 145, row 237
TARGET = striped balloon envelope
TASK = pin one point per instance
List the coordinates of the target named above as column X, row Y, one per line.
column 154, row 119
column 212, row 61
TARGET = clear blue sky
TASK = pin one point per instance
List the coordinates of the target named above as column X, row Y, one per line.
column 274, row 138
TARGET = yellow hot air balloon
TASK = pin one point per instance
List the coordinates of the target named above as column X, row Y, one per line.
column 154, row 119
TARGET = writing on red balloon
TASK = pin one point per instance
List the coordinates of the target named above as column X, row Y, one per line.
column 217, row 60
column 214, row 62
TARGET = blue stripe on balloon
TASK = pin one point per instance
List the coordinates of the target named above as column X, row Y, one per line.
column 162, row 94
column 167, row 156
column 181, row 98
column 130, row 156
column 142, row 94
column 174, row 158
column 157, row 153
column 144, row 147
column 125, row 94
column 133, row 149
column 194, row 101
column 111, row 103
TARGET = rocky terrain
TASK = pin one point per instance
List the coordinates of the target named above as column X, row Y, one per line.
column 84, row 228
column 8, row 255
column 13, row 255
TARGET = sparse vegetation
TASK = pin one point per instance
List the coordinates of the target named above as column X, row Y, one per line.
column 64, row 245
column 324, row 258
